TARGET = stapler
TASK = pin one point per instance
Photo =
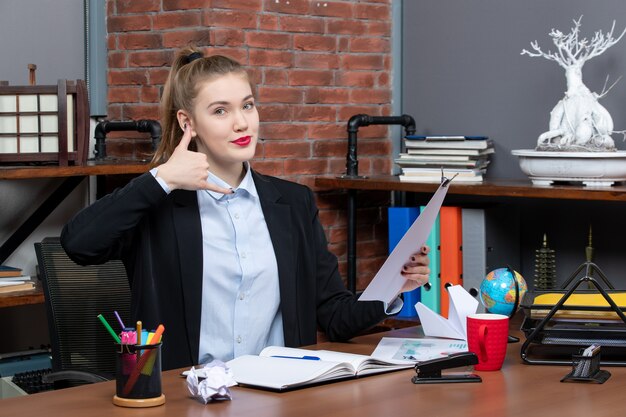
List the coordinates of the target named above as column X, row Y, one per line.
column 429, row 372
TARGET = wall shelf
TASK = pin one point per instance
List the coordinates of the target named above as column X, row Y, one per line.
column 109, row 167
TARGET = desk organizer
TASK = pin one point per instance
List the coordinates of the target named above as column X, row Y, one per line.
column 557, row 331
column 587, row 369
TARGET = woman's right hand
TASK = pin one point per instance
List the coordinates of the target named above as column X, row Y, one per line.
column 187, row 170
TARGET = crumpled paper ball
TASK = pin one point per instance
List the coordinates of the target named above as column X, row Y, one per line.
column 210, row 382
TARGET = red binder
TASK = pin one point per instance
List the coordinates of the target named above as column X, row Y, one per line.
column 451, row 255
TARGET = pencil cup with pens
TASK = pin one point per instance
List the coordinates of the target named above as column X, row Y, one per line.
column 586, row 367
column 137, row 366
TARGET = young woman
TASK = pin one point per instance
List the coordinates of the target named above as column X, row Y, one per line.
column 228, row 259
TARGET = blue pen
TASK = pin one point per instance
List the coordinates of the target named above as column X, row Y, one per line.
column 309, row 358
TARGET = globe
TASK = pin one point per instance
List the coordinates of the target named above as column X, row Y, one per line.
column 497, row 291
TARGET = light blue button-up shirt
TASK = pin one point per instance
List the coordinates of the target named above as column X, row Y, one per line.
column 240, row 292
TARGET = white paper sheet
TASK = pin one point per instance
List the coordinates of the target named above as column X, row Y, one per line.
column 462, row 304
column 413, row 350
column 388, row 281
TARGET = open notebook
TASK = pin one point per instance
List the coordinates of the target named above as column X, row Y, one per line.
column 282, row 368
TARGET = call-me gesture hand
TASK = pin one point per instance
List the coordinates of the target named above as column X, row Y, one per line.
column 186, row 169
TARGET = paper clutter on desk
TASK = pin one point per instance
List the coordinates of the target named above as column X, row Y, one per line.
column 462, row 304
column 210, row 382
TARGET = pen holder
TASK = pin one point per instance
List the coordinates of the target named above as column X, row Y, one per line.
column 586, row 369
column 138, row 376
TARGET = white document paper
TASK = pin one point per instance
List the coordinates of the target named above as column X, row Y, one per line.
column 462, row 304
column 416, row 349
column 388, row 281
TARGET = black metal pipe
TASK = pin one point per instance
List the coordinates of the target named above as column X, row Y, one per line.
column 104, row 127
column 358, row 120
column 352, row 171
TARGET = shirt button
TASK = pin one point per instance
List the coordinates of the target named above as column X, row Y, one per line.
column 243, row 255
column 236, row 215
column 238, row 339
column 241, row 296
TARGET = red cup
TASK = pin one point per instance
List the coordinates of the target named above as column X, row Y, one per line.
column 487, row 337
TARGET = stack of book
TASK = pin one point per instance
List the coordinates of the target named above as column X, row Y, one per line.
column 426, row 157
column 11, row 280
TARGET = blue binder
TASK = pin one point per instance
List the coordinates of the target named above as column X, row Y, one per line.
column 400, row 219
column 431, row 296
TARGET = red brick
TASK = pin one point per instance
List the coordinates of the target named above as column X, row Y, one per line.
column 123, row 94
column 116, row 59
column 267, row 22
column 176, row 20
column 327, row 148
column 150, row 94
column 328, row 217
column 184, row 4
column 139, row 41
column 126, row 77
column 301, row 24
column 114, row 112
column 314, row 60
column 266, row 58
column 372, row 11
column 344, row 44
column 327, row 95
column 327, row 131
column 332, row 9
column 381, row 166
column 274, row 167
column 287, row 149
column 275, row 113
column 158, row 76
column 268, row 40
column 229, row 19
column 370, row 95
column 138, row 112
column 227, row 37
column 128, row 23
column 137, row 6
column 374, row 147
column 347, row 27
column 361, row 62
column 300, row 7
column 374, row 132
column 182, row 38
column 315, row 43
column 383, row 79
column 255, row 5
column 346, row 113
column 370, row 45
column 280, row 95
column 315, row 113
column 238, row 54
column 306, row 166
column 111, row 42
column 356, row 78
column 310, row 77
column 378, row 29
column 274, row 76
column 372, row 248
column 338, row 166
column 282, row 131
column 150, row 59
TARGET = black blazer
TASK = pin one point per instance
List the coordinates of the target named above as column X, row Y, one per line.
column 159, row 239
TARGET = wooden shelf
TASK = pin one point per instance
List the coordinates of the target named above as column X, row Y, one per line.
column 18, row 298
column 109, row 167
column 494, row 188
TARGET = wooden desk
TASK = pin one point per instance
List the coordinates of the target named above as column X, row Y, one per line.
column 517, row 390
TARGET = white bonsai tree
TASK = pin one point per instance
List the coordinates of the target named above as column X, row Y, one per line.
column 578, row 122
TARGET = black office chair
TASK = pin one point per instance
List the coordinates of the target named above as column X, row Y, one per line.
column 82, row 350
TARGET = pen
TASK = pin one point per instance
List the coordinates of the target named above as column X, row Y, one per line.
column 138, row 332
column 109, row 329
column 119, row 319
column 308, row 358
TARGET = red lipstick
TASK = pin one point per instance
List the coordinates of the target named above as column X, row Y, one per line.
column 243, row 141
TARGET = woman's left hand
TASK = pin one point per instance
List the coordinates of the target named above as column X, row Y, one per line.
column 416, row 270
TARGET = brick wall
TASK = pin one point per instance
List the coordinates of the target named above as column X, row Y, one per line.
column 316, row 63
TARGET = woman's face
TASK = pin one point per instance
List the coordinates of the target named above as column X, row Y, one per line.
column 226, row 122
